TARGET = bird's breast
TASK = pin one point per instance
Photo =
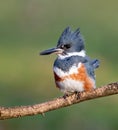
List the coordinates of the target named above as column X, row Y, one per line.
column 76, row 76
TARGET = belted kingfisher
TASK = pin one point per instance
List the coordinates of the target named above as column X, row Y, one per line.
column 73, row 69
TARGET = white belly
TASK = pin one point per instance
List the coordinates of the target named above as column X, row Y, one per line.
column 69, row 86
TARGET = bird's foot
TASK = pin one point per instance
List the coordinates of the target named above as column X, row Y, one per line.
column 65, row 95
column 77, row 95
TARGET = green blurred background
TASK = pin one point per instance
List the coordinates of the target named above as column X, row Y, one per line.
column 29, row 26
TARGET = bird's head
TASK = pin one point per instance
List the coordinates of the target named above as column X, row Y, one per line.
column 69, row 43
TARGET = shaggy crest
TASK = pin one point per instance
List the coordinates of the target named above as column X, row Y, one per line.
column 70, row 36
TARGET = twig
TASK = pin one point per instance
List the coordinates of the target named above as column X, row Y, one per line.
column 15, row 112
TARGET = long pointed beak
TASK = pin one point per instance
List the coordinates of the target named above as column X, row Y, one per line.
column 52, row 50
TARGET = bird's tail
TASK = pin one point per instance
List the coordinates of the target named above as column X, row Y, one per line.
column 95, row 63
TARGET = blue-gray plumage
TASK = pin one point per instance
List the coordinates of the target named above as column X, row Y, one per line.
column 67, row 63
column 73, row 39
column 73, row 69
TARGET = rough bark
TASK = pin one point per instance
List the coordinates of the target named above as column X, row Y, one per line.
column 20, row 111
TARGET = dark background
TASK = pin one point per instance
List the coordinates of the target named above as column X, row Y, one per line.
column 30, row 26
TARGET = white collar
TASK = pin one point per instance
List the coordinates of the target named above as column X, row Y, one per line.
column 81, row 53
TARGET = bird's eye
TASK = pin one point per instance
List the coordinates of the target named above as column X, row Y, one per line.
column 66, row 46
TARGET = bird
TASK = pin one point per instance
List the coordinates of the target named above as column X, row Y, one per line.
column 74, row 71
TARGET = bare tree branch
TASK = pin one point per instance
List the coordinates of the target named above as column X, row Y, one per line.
column 15, row 112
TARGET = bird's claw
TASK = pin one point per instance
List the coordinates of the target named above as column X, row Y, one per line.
column 77, row 95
